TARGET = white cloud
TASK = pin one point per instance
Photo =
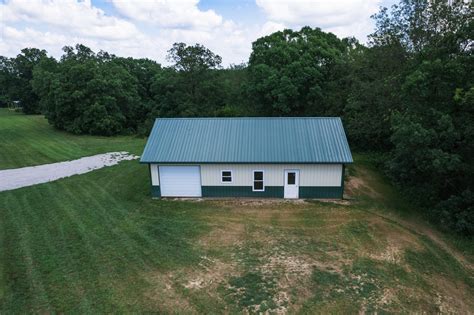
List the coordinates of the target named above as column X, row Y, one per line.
column 183, row 21
column 78, row 18
column 343, row 17
column 52, row 25
column 271, row 27
column 169, row 13
column 148, row 28
column 13, row 40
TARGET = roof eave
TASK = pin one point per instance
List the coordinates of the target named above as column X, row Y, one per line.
column 240, row 162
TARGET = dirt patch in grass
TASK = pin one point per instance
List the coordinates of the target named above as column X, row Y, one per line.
column 396, row 240
column 164, row 296
column 290, row 266
column 369, row 183
column 260, row 273
column 369, row 286
column 209, row 274
column 391, row 254
column 357, row 185
column 411, row 231
column 188, row 290
column 225, row 233
column 452, row 297
column 277, row 256
column 342, row 202
column 277, row 284
column 293, row 278
column 250, row 202
column 423, row 230
column 280, row 257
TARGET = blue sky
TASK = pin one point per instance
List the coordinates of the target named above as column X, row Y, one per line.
column 148, row 28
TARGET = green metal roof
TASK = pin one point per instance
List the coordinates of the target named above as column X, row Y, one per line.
column 247, row 140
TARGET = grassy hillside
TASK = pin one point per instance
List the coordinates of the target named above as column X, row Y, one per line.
column 30, row 140
column 98, row 243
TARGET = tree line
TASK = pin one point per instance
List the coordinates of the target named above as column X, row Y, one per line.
column 408, row 94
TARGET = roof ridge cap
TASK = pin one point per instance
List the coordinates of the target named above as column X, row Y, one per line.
column 243, row 118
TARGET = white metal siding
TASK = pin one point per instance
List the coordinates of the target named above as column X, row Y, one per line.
column 242, row 174
column 180, row 181
column 155, row 178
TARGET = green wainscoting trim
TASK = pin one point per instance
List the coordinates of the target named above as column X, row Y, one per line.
column 155, row 191
column 321, row 192
column 342, row 180
column 242, row 191
column 270, row 192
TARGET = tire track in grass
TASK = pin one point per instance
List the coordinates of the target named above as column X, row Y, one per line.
column 140, row 246
column 3, row 280
column 75, row 277
column 47, row 143
column 138, row 230
column 49, row 239
column 62, row 149
column 30, row 137
column 121, row 246
column 103, row 268
column 86, row 252
column 130, row 221
column 136, row 221
column 112, row 222
column 42, row 242
column 53, row 150
column 33, row 223
column 80, row 220
column 38, row 295
column 47, row 152
column 5, row 254
column 58, row 150
column 421, row 230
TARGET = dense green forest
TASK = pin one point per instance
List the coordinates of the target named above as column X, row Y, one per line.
column 408, row 95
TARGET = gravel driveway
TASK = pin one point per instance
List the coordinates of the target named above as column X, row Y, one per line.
column 32, row 175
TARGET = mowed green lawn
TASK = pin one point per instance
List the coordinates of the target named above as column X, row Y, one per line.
column 29, row 140
column 97, row 243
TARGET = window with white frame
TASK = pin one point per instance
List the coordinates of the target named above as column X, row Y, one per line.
column 226, row 176
column 258, row 181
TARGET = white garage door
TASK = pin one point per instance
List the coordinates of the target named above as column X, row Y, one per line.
column 180, row 181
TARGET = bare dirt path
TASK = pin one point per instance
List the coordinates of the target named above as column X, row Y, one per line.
column 32, row 175
column 421, row 229
column 365, row 183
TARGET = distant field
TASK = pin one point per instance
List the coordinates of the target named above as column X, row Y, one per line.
column 30, row 140
column 97, row 243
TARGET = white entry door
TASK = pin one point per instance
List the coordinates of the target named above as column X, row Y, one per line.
column 292, row 184
column 180, row 181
